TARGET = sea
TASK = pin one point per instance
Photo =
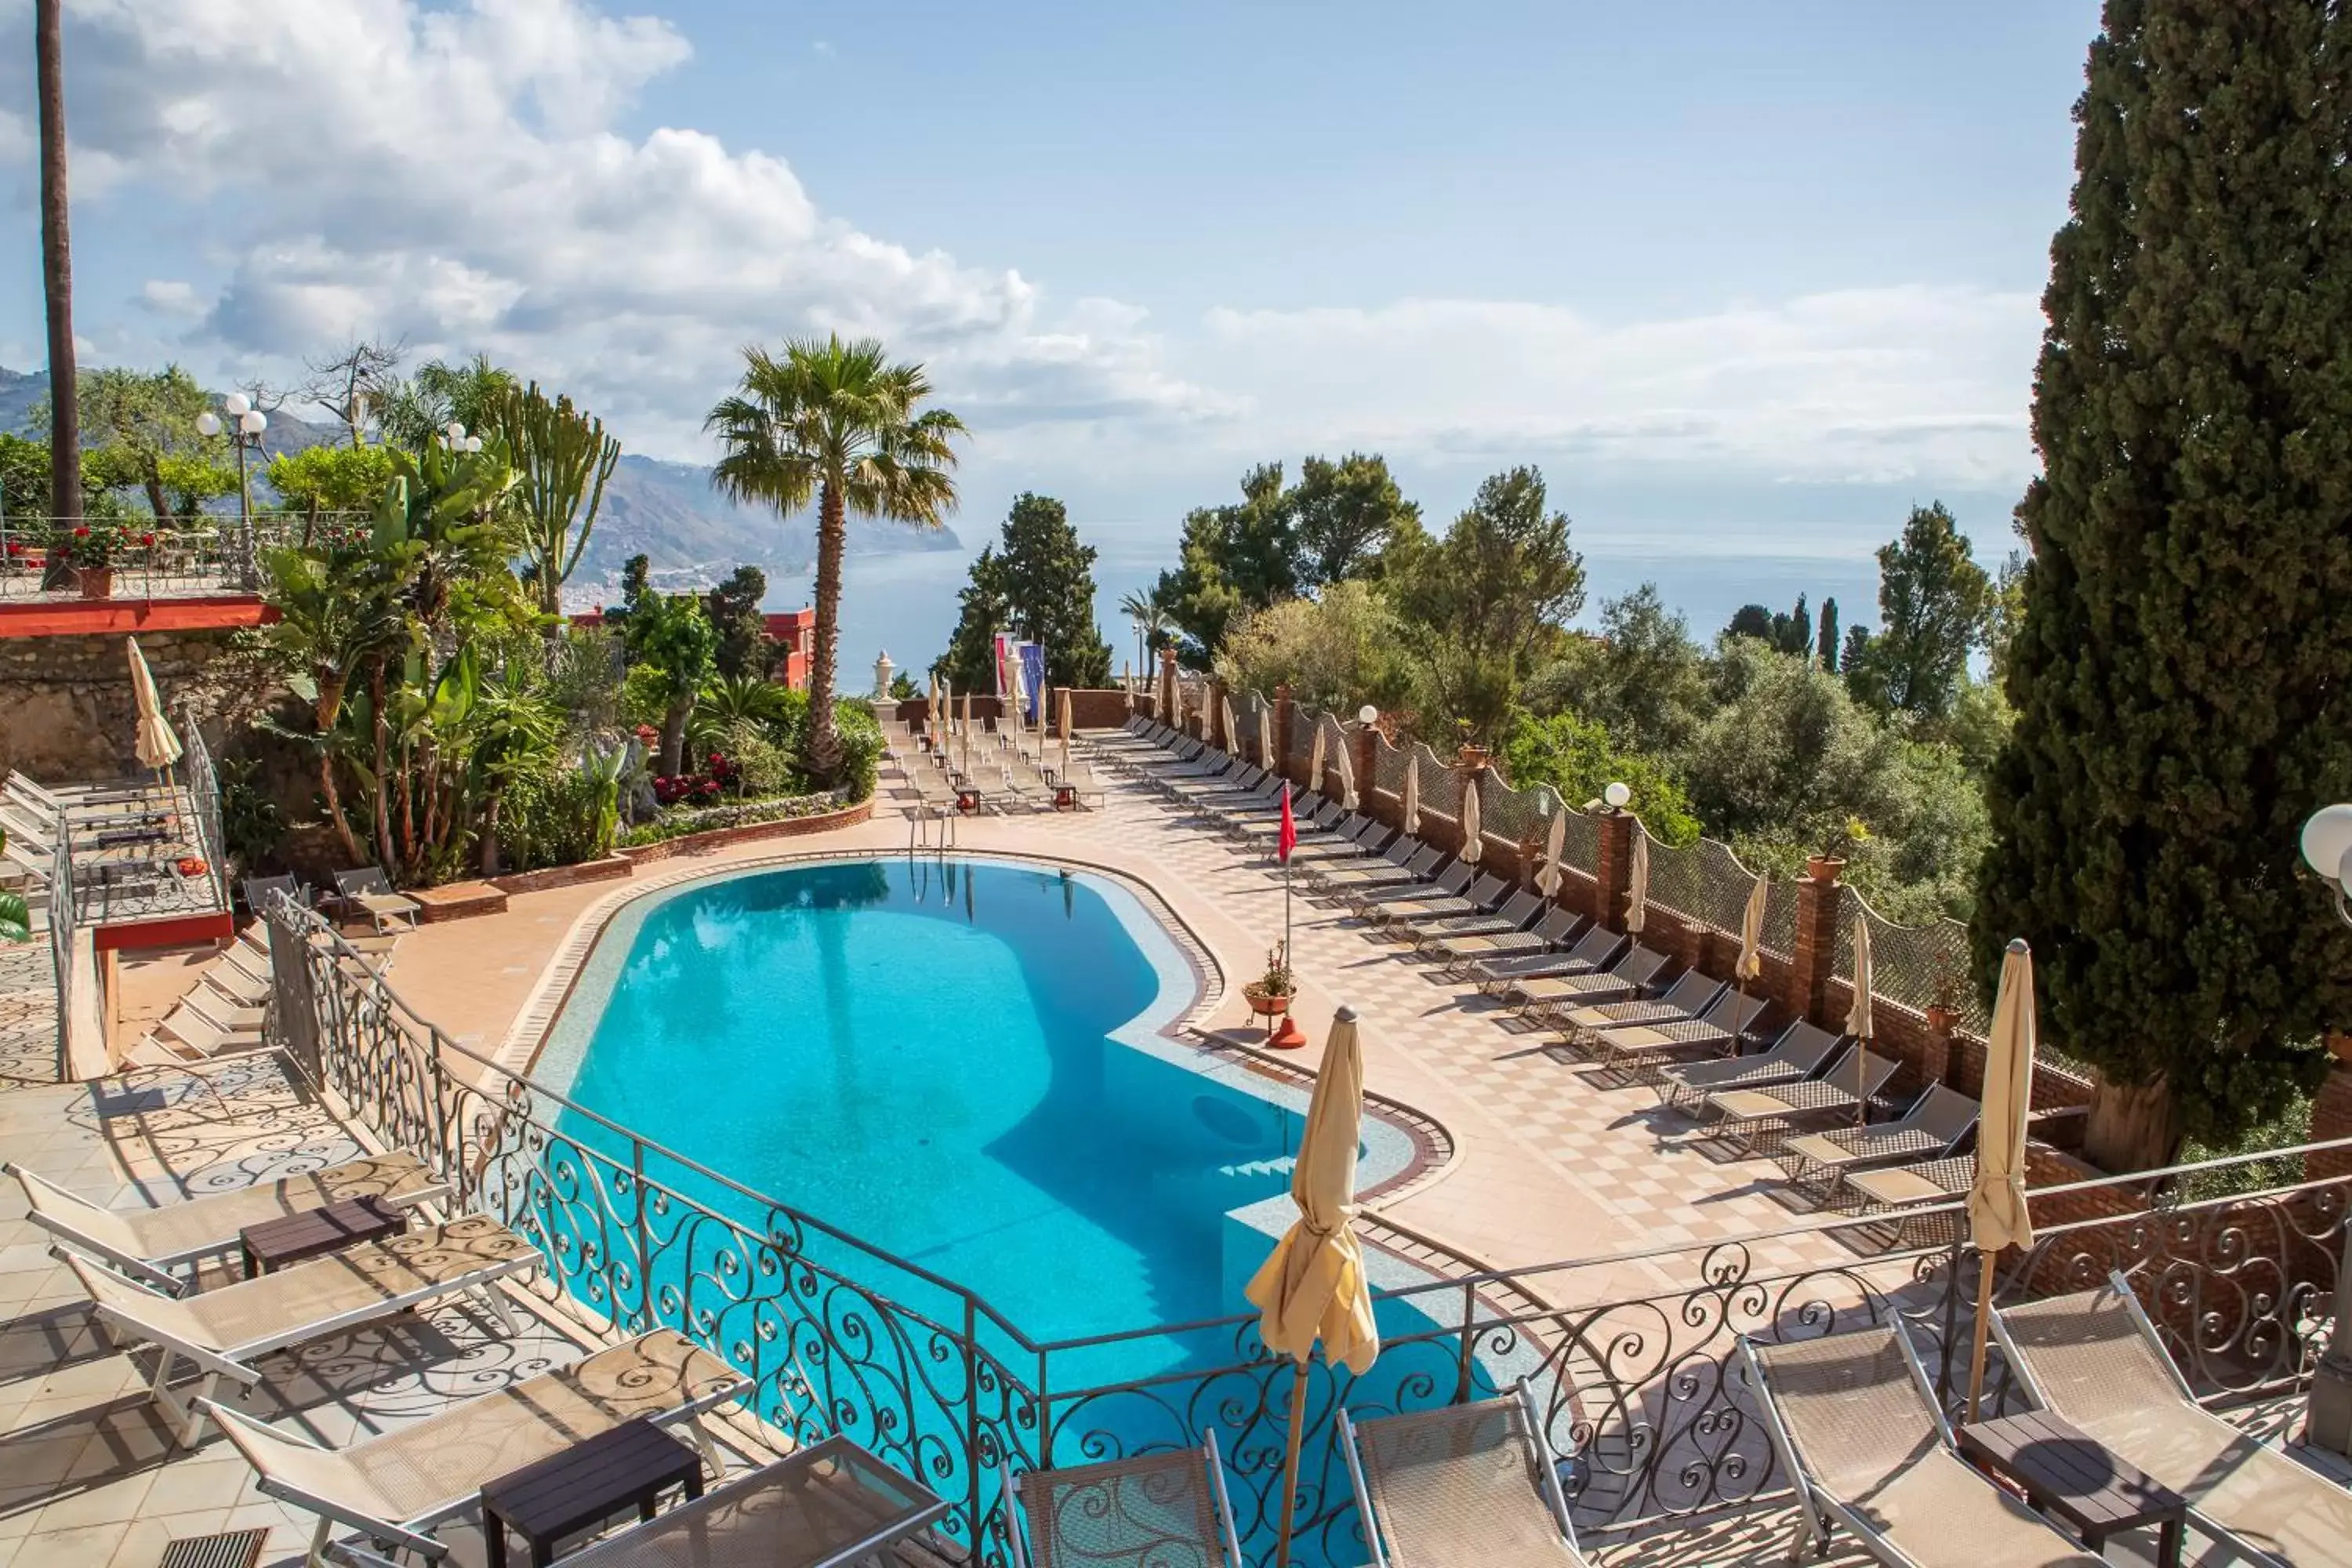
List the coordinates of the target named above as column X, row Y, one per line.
column 905, row 605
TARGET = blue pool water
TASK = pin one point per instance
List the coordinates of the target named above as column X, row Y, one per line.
column 963, row 1064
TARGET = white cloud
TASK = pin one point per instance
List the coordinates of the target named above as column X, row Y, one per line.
column 458, row 177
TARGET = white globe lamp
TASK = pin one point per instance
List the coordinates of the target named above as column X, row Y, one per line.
column 2327, row 849
column 252, row 422
column 208, row 423
column 236, row 404
column 1617, row 795
column 1368, row 714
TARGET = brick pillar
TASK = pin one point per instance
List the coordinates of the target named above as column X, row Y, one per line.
column 1367, row 743
column 1614, row 874
column 1936, row 1065
column 1212, row 723
column 1820, row 904
column 1280, row 762
column 2331, row 1115
column 1167, row 704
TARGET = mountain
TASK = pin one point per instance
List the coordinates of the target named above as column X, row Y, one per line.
column 666, row 510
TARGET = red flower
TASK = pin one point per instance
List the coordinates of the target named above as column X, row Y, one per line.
column 146, row 539
column 15, row 548
column 82, row 533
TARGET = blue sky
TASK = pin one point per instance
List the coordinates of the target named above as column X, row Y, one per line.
column 1742, row 278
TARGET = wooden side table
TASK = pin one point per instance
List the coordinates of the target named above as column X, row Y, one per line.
column 313, row 1232
column 2065, row 1472
column 633, row 1463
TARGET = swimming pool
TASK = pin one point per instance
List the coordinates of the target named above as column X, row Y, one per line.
column 963, row 1062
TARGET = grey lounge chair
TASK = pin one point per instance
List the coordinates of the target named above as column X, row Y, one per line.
column 1518, row 913
column 1462, row 1484
column 369, row 892
column 1546, row 998
column 395, row 1488
column 1934, row 1128
column 1485, row 894
column 1755, row 1116
column 1861, row 1439
column 1595, row 948
column 1447, row 883
column 1405, row 860
column 1684, row 1000
column 1553, row 933
column 1803, row 1051
column 1639, row 1051
column 1168, row 1510
column 2097, row 1360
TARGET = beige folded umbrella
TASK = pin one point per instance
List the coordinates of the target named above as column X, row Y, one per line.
column 1232, row 731
column 1473, row 840
column 1315, row 761
column 1858, row 1018
column 1997, row 1211
column 1751, row 931
column 964, row 725
column 1637, row 882
column 1555, row 841
column 156, row 746
column 1347, row 778
column 1063, row 719
column 1313, row 1286
column 1412, row 819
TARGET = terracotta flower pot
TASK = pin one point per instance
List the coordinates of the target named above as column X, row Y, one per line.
column 97, row 581
column 1825, row 868
column 1263, row 1006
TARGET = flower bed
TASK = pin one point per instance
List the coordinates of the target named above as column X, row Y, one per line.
column 677, row 822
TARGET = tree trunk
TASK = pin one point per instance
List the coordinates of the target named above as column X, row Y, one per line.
column 156, row 501
column 674, row 735
column 385, row 856
column 57, row 265
column 832, row 541
column 490, row 836
column 2132, row 1127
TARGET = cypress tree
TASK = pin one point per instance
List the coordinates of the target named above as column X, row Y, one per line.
column 2181, row 673
column 1829, row 637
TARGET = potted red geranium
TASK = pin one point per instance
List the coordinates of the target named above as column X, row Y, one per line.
column 1269, row 994
column 89, row 550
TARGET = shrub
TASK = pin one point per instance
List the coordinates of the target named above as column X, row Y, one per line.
column 861, row 749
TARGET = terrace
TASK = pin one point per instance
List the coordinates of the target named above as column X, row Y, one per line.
column 1527, row 1158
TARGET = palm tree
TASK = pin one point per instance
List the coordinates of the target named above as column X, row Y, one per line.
column 837, row 421
column 1148, row 610
column 57, row 265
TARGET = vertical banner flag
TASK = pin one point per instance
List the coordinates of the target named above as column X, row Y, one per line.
column 1033, row 682
column 1289, row 840
column 1004, row 666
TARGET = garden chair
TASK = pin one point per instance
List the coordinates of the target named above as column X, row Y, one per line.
column 1354, row 838
column 260, row 891
column 1402, row 917
column 1553, row 933
column 1865, row 1443
column 826, row 1506
column 151, row 1244
column 1168, row 1509
column 1448, row 882
column 1684, row 1000
column 2094, row 1359
column 1544, row 998
column 395, row 1488
column 225, row 1333
column 1594, row 949
column 1934, row 1128
column 1753, row 1116
column 1517, row 913
column 369, row 892
column 1403, row 859
column 1639, row 1051
column 1803, row 1051
column 1461, row 1484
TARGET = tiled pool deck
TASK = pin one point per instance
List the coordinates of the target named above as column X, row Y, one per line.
column 1547, row 1164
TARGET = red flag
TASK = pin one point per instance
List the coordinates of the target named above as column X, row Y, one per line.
column 1289, row 830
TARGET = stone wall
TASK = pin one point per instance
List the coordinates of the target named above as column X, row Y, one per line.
column 65, row 701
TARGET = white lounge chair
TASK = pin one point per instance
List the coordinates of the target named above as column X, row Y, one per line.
column 2096, row 1359
column 1465, row 1484
column 1861, row 1439
column 225, row 1332
column 151, row 1244
column 396, row 1487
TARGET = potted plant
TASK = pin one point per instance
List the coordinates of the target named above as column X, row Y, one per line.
column 1826, row 864
column 1269, row 994
column 1947, row 987
column 89, row 550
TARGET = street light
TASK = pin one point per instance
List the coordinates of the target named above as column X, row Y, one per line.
column 244, row 428
column 1617, row 795
column 459, row 440
column 2327, row 849
column 1368, row 714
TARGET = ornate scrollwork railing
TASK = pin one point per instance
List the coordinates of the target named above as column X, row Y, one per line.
column 1638, row 1384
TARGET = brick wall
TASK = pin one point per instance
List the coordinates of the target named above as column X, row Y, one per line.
column 2331, row 1115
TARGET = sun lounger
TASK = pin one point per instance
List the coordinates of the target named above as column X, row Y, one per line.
column 192, row 1027
column 1595, row 948
column 1803, row 1051
column 1447, row 883
column 2096, row 1359
column 1639, row 1051
column 1897, row 1195
column 1684, row 1000
column 824, row 1507
column 149, row 1244
column 367, row 891
column 1934, row 1127
column 1518, row 912
column 1554, row 931
column 1754, row 1115
column 1406, row 859
column 1400, row 917
column 1863, row 1442
column 1547, row 996
column 226, row 1332
column 1165, row 1508
column 1357, row 838
column 395, row 1488
column 1461, row 1484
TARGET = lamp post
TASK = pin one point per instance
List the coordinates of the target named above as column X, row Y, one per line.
column 245, row 425
column 2327, row 1417
column 458, row 441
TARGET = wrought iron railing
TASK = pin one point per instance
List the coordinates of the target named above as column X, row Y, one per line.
column 62, row 912
column 190, row 557
column 1637, row 1385
column 204, row 788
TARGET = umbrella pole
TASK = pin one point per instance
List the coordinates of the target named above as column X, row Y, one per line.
column 1984, row 1327
column 1291, row 1465
column 1861, row 1082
